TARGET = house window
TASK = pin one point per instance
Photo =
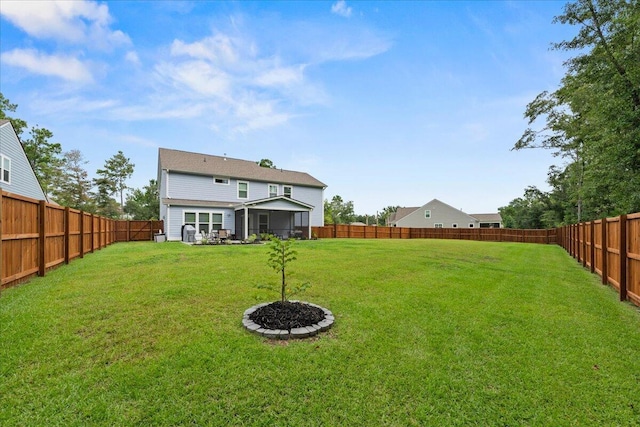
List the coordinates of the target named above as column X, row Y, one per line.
column 454, row 225
column 288, row 191
column 263, row 223
column 437, row 225
column 221, row 181
column 273, row 190
column 427, row 213
column 5, row 169
column 471, row 225
column 243, row 190
column 203, row 222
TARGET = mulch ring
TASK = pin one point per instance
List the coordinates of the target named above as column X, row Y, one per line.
column 288, row 319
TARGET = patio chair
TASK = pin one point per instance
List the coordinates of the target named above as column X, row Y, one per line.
column 223, row 235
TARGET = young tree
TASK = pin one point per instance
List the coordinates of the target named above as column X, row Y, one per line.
column 105, row 205
column 113, row 178
column 144, row 204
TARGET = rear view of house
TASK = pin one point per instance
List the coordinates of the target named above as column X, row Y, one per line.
column 220, row 193
column 436, row 214
column 16, row 174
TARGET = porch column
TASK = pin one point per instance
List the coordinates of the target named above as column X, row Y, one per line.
column 309, row 224
column 246, row 223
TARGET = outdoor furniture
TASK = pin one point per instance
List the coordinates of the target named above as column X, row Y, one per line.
column 223, row 235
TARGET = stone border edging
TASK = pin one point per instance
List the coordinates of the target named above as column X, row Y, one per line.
column 283, row 334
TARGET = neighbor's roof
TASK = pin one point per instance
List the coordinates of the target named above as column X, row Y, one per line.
column 226, row 167
column 490, row 217
column 401, row 213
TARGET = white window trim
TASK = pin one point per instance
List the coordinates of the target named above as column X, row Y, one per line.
column 427, row 213
column 471, row 225
column 290, row 192
column 238, row 190
column 438, row 225
column 269, row 189
column 454, row 225
column 2, row 160
column 225, row 180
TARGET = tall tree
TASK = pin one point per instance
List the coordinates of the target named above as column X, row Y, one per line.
column 113, row 178
column 337, row 211
column 593, row 118
column 144, row 203
column 105, row 204
column 7, row 107
column 266, row 163
column 44, row 157
column 73, row 186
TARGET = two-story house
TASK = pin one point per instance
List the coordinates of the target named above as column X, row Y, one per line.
column 217, row 192
column 436, row 214
column 16, row 174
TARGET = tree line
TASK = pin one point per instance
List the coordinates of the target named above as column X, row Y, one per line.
column 591, row 122
column 64, row 179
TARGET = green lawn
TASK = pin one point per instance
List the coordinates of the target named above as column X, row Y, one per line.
column 427, row 332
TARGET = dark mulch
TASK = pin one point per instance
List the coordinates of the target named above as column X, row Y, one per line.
column 286, row 315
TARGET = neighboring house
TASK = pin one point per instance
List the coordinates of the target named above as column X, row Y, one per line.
column 214, row 193
column 437, row 214
column 16, row 174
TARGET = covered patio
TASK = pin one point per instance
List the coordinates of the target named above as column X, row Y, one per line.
column 280, row 216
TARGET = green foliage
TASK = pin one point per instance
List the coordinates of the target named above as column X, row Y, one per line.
column 266, row 163
column 144, row 204
column 337, row 211
column 592, row 121
column 6, row 106
column 113, row 178
column 44, row 157
column 72, row 187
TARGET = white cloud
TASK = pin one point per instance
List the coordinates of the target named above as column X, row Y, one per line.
column 132, row 57
column 65, row 67
column 340, row 8
column 79, row 22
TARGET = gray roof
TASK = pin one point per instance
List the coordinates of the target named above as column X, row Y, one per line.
column 490, row 217
column 226, row 167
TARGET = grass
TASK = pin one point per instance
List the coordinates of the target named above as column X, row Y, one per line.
column 427, row 332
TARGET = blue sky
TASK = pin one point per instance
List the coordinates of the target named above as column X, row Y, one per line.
column 388, row 103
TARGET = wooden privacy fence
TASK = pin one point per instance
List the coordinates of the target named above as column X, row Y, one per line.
column 609, row 247
column 480, row 234
column 36, row 236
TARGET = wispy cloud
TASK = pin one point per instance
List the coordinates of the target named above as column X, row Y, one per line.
column 79, row 22
column 340, row 8
column 65, row 67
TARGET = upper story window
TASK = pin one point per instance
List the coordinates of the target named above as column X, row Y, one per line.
column 471, row 225
column 437, row 225
column 288, row 191
column 5, row 169
column 273, row 190
column 427, row 213
column 221, row 181
column 243, row 190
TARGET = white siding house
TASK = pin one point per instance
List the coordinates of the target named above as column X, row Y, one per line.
column 214, row 192
column 16, row 174
column 436, row 214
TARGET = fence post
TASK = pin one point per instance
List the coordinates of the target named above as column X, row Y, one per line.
column 81, row 234
column 335, row 231
column 93, row 245
column 584, row 244
column 623, row 257
column 605, row 253
column 592, row 259
column 66, row 235
column 1, row 269
column 42, row 238
column 128, row 230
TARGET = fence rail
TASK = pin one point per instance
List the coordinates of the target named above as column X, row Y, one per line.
column 36, row 236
